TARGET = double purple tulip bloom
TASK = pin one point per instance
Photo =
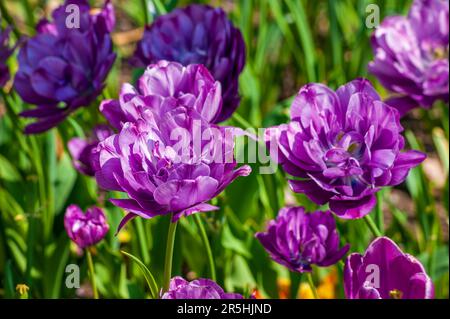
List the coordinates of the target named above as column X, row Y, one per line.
column 166, row 83
column 5, row 53
column 342, row 147
column 64, row 67
column 85, row 229
column 385, row 272
column 161, row 157
column 198, row 34
column 197, row 289
column 411, row 55
column 297, row 239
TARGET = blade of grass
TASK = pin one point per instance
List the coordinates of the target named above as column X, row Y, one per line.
column 204, row 237
column 142, row 240
column 299, row 15
column 147, row 275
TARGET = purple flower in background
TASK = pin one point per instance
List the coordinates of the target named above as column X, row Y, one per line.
column 85, row 229
column 166, row 83
column 5, row 53
column 197, row 289
column 166, row 162
column 411, row 55
column 64, row 67
column 385, row 272
column 342, row 147
column 297, row 239
column 198, row 34
column 82, row 150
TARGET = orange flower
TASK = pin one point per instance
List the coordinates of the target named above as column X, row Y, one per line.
column 326, row 289
column 284, row 288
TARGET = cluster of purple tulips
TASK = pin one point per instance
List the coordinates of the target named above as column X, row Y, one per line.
column 339, row 148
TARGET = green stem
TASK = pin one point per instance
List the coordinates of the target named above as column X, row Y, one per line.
column 311, row 284
column 204, row 237
column 169, row 255
column 146, row 13
column 41, row 178
column 379, row 211
column 91, row 273
column 142, row 241
column 371, row 224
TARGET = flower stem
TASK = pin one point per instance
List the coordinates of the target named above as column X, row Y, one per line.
column 146, row 13
column 91, row 273
column 379, row 211
column 371, row 224
column 207, row 245
column 169, row 255
column 311, row 284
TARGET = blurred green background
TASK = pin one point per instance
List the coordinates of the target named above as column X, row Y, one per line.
column 289, row 43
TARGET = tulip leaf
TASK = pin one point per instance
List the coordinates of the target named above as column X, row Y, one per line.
column 442, row 147
column 231, row 242
column 9, row 280
column 147, row 275
column 56, row 261
column 65, row 180
column 7, row 171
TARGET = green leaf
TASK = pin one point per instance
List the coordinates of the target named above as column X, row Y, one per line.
column 441, row 144
column 9, row 280
column 231, row 242
column 299, row 15
column 65, row 180
column 58, row 255
column 240, row 275
column 147, row 275
column 7, row 171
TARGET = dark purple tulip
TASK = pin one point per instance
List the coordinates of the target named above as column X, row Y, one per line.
column 198, row 34
column 5, row 53
column 411, row 55
column 62, row 68
column 342, row 147
column 385, row 272
column 297, row 239
column 85, row 229
column 197, row 289
column 163, row 83
column 168, row 158
column 82, row 150
column 160, row 178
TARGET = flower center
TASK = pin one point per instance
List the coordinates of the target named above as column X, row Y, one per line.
column 342, row 159
column 440, row 53
column 395, row 294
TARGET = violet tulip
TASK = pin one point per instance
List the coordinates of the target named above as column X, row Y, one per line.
column 342, row 147
column 385, row 272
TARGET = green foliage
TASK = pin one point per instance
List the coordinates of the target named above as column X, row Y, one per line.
column 289, row 43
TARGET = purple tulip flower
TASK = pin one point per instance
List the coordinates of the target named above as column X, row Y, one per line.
column 85, row 229
column 385, row 272
column 166, row 83
column 168, row 158
column 82, row 150
column 198, row 34
column 297, row 239
column 5, row 53
column 342, row 147
column 411, row 55
column 197, row 289
column 64, row 66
